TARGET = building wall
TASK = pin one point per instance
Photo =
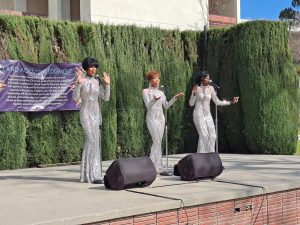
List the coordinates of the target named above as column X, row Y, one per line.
column 21, row 5
column 237, row 10
column 7, row 5
column 37, row 7
column 85, row 10
column 229, row 8
column 224, row 12
column 65, row 9
column 75, row 10
column 167, row 14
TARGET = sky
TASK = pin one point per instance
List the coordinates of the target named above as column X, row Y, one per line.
column 263, row 9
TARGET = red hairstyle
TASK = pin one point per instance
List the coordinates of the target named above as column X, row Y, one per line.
column 152, row 74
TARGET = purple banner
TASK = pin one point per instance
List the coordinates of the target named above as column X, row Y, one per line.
column 31, row 87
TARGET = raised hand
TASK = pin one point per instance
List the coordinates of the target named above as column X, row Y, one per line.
column 106, row 78
column 79, row 75
column 194, row 90
column 235, row 100
column 179, row 95
column 2, row 85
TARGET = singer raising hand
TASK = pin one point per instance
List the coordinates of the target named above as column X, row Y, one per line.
column 155, row 100
column 202, row 93
column 87, row 92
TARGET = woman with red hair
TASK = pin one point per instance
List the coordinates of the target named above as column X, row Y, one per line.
column 155, row 100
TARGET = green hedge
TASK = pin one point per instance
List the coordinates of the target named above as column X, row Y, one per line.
column 13, row 140
column 250, row 60
column 127, row 53
column 43, row 138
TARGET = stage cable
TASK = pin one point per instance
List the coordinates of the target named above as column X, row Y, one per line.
column 182, row 206
column 168, row 185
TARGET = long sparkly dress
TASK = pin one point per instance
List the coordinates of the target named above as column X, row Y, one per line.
column 87, row 93
column 155, row 120
column 202, row 117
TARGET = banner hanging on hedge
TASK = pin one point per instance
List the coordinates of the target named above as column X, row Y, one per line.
column 30, row 87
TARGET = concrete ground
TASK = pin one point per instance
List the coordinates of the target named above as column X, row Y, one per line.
column 54, row 195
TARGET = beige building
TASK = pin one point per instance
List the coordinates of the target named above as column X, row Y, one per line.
column 166, row 14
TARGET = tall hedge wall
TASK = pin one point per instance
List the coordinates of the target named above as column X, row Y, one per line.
column 241, row 58
column 126, row 53
column 253, row 61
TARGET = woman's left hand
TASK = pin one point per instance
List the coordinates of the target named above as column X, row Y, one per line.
column 179, row 95
column 106, row 78
column 235, row 100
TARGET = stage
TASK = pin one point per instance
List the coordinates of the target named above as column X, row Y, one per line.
column 253, row 189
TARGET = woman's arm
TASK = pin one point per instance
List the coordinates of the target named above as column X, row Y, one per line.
column 167, row 104
column 193, row 96
column 192, row 100
column 148, row 103
column 78, row 84
column 105, row 94
column 172, row 101
column 216, row 100
column 76, row 92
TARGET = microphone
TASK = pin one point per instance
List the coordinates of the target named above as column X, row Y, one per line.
column 214, row 84
column 97, row 77
column 163, row 89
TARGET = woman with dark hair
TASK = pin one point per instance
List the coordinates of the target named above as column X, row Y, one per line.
column 86, row 93
column 155, row 100
column 202, row 93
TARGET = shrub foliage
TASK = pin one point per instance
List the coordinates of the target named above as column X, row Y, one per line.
column 250, row 60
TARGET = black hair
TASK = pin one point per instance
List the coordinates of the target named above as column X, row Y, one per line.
column 89, row 62
column 199, row 76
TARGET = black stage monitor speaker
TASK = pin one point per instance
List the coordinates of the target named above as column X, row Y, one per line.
column 130, row 173
column 199, row 166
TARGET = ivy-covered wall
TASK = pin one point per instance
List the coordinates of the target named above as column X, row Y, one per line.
column 251, row 60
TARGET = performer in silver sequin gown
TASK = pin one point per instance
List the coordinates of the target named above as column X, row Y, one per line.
column 201, row 96
column 155, row 100
column 86, row 93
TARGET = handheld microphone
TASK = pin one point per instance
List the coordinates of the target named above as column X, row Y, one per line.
column 163, row 89
column 97, row 77
column 214, row 84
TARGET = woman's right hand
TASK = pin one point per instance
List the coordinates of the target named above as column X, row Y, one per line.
column 2, row 85
column 79, row 75
column 194, row 90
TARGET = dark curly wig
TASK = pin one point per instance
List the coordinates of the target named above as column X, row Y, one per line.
column 89, row 62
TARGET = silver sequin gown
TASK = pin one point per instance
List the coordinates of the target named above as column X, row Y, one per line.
column 202, row 117
column 155, row 120
column 87, row 93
